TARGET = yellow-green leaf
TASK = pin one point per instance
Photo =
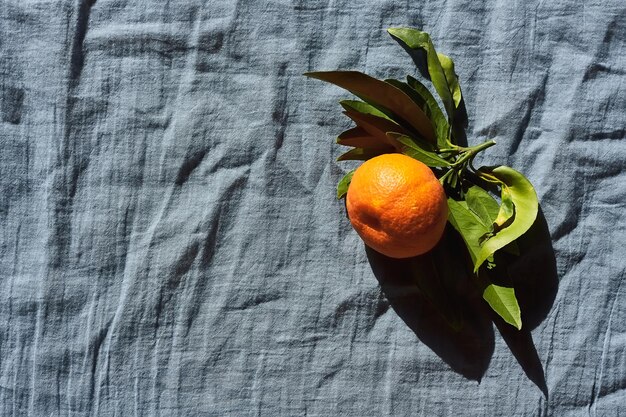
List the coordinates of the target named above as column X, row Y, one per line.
column 507, row 209
column 482, row 204
column 342, row 187
column 503, row 301
column 526, row 206
column 468, row 225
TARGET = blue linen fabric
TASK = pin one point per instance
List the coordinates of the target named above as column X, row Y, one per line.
column 171, row 243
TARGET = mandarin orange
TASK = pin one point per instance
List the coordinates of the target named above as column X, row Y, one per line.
column 397, row 205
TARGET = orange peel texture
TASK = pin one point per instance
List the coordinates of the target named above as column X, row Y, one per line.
column 397, row 205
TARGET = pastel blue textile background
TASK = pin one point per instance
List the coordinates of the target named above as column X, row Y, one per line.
column 170, row 241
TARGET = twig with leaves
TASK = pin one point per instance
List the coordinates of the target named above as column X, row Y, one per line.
column 395, row 116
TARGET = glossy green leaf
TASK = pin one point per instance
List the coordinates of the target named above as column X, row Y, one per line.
column 507, row 208
column 486, row 208
column 454, row 179
column 381, row 93
column 459, row 119
column 360, row 138
column 441, row 132
column 453, row 80
column 416, row 43
column 526, row 206
column 342, row 187
column 432, row 110
column 482, row 204
column 503, row 301
column 360, row 154
column 411, row 149
column 363, row 107
column 468, row 225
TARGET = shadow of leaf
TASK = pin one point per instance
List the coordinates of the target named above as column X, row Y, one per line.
column 534, row 276
column 534, row 273
column 467, row 350
column 431, row 312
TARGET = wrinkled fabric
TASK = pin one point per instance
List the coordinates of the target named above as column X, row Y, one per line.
column 171, row 243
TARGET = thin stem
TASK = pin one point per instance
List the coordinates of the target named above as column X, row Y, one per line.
column 450, row 150
column 466, row 158
column 445, row 176
column 472, row 152
column 482, row 146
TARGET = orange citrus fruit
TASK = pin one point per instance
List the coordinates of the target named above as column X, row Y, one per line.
column 397, row 205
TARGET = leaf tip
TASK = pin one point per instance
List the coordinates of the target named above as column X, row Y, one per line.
column 319, row 75
column 395, row 32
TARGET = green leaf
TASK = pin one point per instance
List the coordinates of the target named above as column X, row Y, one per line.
column 415, row 141
column 526, row 206
column 380, row 93
column 453, row 80
column 416, row 42
column 432, row 110
column 459, row 120
column 342, row 187
column 376, row 127
column 363, row 107
column 414, row 151
column 360, row 154
column 468, row 225
column 507, row 209
column 486, row 208
column 503, row 301
column 360, row 138
column 439, row 122
column 482, row 204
